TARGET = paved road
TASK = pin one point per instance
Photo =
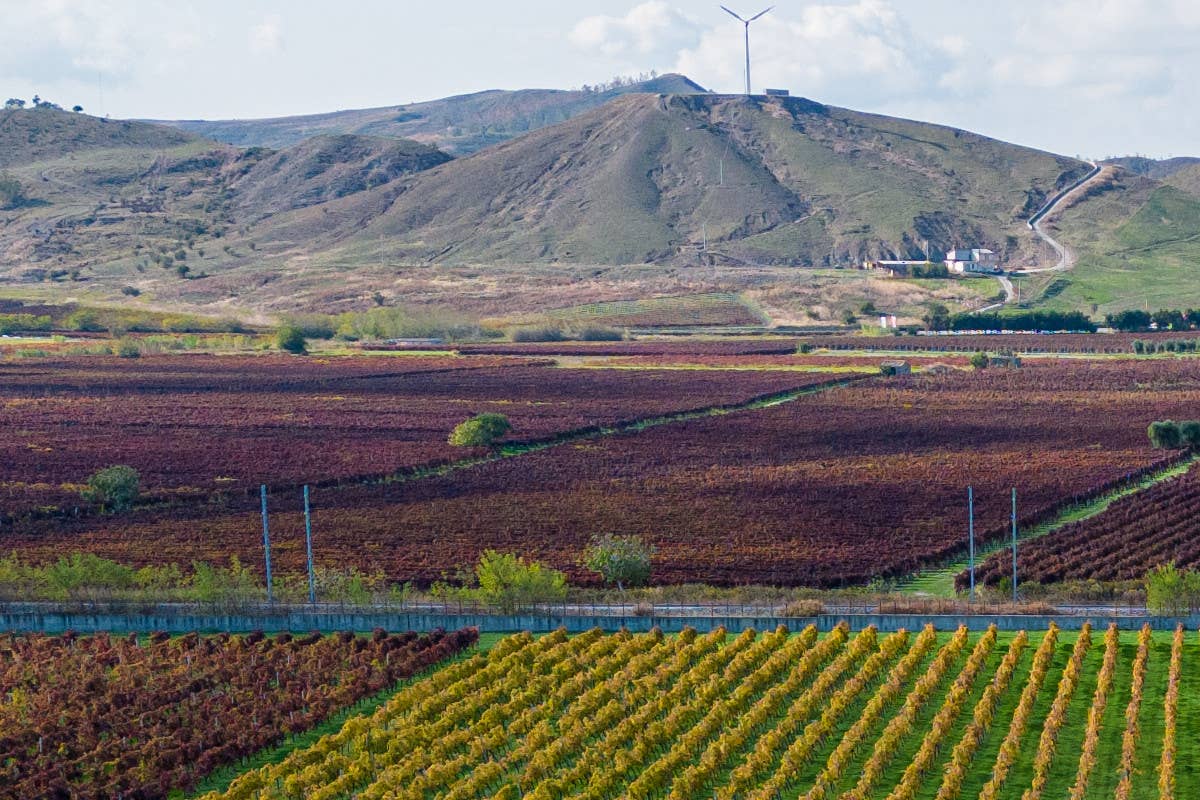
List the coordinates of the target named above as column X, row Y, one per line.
column 1066, row 259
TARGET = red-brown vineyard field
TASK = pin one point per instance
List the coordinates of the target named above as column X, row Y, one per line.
column 1135, row 534
column 92, row 718
column 836, row 487
column 195, row 425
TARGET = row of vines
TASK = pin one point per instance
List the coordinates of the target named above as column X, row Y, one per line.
column 842, row 716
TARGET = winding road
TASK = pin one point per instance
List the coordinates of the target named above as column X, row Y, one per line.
column 1066, row 259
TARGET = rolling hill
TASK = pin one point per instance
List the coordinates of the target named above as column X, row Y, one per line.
column 648, row 195
column 650, row 178
column 458, row 125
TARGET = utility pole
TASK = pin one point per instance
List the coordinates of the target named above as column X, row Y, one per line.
column 971, row 535
column 1014, row 545
column 312, row 581
column 266, row 539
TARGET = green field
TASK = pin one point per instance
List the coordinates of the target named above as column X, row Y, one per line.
column 868, row 715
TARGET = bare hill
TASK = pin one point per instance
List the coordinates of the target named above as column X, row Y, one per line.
column 672, row 195
column 38, row 134
column 325, row 168
column 649, row 178
column 458, row 125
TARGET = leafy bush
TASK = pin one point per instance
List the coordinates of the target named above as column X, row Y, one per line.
column 114, row 488
column 396, row 322
column 980, row 360
column 620, row 560
column 216, row 585
column 1189, row 433
column 598, row 333
column 15, row 323
column 290, row 339
column 508, row 582
column 12, row 193
column 127, row 348
column 85, row 319
column 545, row 333
column 1172, row 591
column 1170, row 435
column 482, row 430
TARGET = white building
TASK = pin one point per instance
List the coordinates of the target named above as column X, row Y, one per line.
column 978, row 260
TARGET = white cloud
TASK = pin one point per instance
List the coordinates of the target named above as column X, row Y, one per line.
column 862, row 48
column 649, row 31
column 266, row 38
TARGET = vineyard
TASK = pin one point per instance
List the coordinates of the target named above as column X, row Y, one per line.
column 196, row 425
column 653, row 347
column 1135, row 534
column 100, row 717
column 1036, row 343
column 837, row 487
column 866, row 716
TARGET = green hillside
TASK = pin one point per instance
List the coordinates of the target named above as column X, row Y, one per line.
column 1138, row 246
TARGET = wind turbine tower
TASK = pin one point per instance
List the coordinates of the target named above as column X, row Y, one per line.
column 746, row 23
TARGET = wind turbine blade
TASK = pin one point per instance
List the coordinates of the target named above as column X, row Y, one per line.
column 759, row 14
column 732, row 14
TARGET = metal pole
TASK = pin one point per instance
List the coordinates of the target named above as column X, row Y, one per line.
column 971, row 534
column 747, row 24
column 1014, row 545
column 312, row 581
column 266, row 539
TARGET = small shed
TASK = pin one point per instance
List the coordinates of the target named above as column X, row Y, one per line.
column 895, row 368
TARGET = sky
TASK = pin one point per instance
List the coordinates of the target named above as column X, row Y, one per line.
column 1094, row 78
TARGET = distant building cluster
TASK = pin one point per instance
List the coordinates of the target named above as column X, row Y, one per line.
column 976, row 261
column 979, row 260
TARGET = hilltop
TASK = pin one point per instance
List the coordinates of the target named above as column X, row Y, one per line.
column 45, row 133
column 458, row 125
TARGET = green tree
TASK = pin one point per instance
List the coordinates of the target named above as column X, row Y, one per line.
column 1165, row 435
column 114, row 488
column 12, row 192
column 1189, row 433
column 1171, row 591
column 620, row 560
column 980, row 360
column 937, row 317
column 290, row 338
column 482, row 430
column 508, row 581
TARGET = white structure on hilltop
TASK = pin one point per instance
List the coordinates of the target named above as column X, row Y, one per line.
column 978, row 260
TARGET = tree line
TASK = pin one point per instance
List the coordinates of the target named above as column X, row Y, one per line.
column 1164, row 319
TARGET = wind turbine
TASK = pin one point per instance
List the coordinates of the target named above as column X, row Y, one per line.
column 746, row 22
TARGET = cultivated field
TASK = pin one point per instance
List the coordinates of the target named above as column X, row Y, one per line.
column 833, row 488
column 864, row 716
column 198, row 425
column 1152, row 527
column 97, row 717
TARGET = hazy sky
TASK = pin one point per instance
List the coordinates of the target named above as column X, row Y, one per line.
column 1089, row 77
